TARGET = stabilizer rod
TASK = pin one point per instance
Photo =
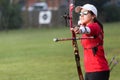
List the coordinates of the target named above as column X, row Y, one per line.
column 67, row 39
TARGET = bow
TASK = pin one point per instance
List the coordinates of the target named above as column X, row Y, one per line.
column 74, row 41
column 113, row 63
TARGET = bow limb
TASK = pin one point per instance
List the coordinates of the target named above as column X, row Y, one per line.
column 74, row 41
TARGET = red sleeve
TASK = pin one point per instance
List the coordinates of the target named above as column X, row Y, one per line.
column 94, row 28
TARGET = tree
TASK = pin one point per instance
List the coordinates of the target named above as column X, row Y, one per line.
column 11, row 18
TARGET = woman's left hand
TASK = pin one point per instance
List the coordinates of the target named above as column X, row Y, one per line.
column 76, row 30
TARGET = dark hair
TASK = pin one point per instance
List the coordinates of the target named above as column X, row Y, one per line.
column 100, row 24
column 96, row 20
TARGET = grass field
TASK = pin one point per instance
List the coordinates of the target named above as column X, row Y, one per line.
column 32, row 54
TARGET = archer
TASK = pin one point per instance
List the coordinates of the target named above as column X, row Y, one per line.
column 96, row 65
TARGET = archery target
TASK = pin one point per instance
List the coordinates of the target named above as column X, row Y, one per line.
column 45, row 17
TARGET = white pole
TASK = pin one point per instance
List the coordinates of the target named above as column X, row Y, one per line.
column 11, row 1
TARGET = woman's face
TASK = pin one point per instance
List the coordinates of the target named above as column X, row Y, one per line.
column 86, row 17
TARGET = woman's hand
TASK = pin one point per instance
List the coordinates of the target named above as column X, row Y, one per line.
column 76, row 30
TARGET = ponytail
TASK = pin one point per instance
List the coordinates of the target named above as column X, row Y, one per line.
column 95, row 20
column 100, row 24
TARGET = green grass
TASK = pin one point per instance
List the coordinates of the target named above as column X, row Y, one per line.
column 32, row 54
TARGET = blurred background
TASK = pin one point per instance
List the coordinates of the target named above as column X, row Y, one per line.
column 20, row 14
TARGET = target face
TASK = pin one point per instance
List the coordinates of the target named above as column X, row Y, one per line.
column 45, row 17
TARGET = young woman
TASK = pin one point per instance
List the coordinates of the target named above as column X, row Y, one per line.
column 96, row 66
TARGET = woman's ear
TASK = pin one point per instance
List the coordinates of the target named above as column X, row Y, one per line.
column 93, row 17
